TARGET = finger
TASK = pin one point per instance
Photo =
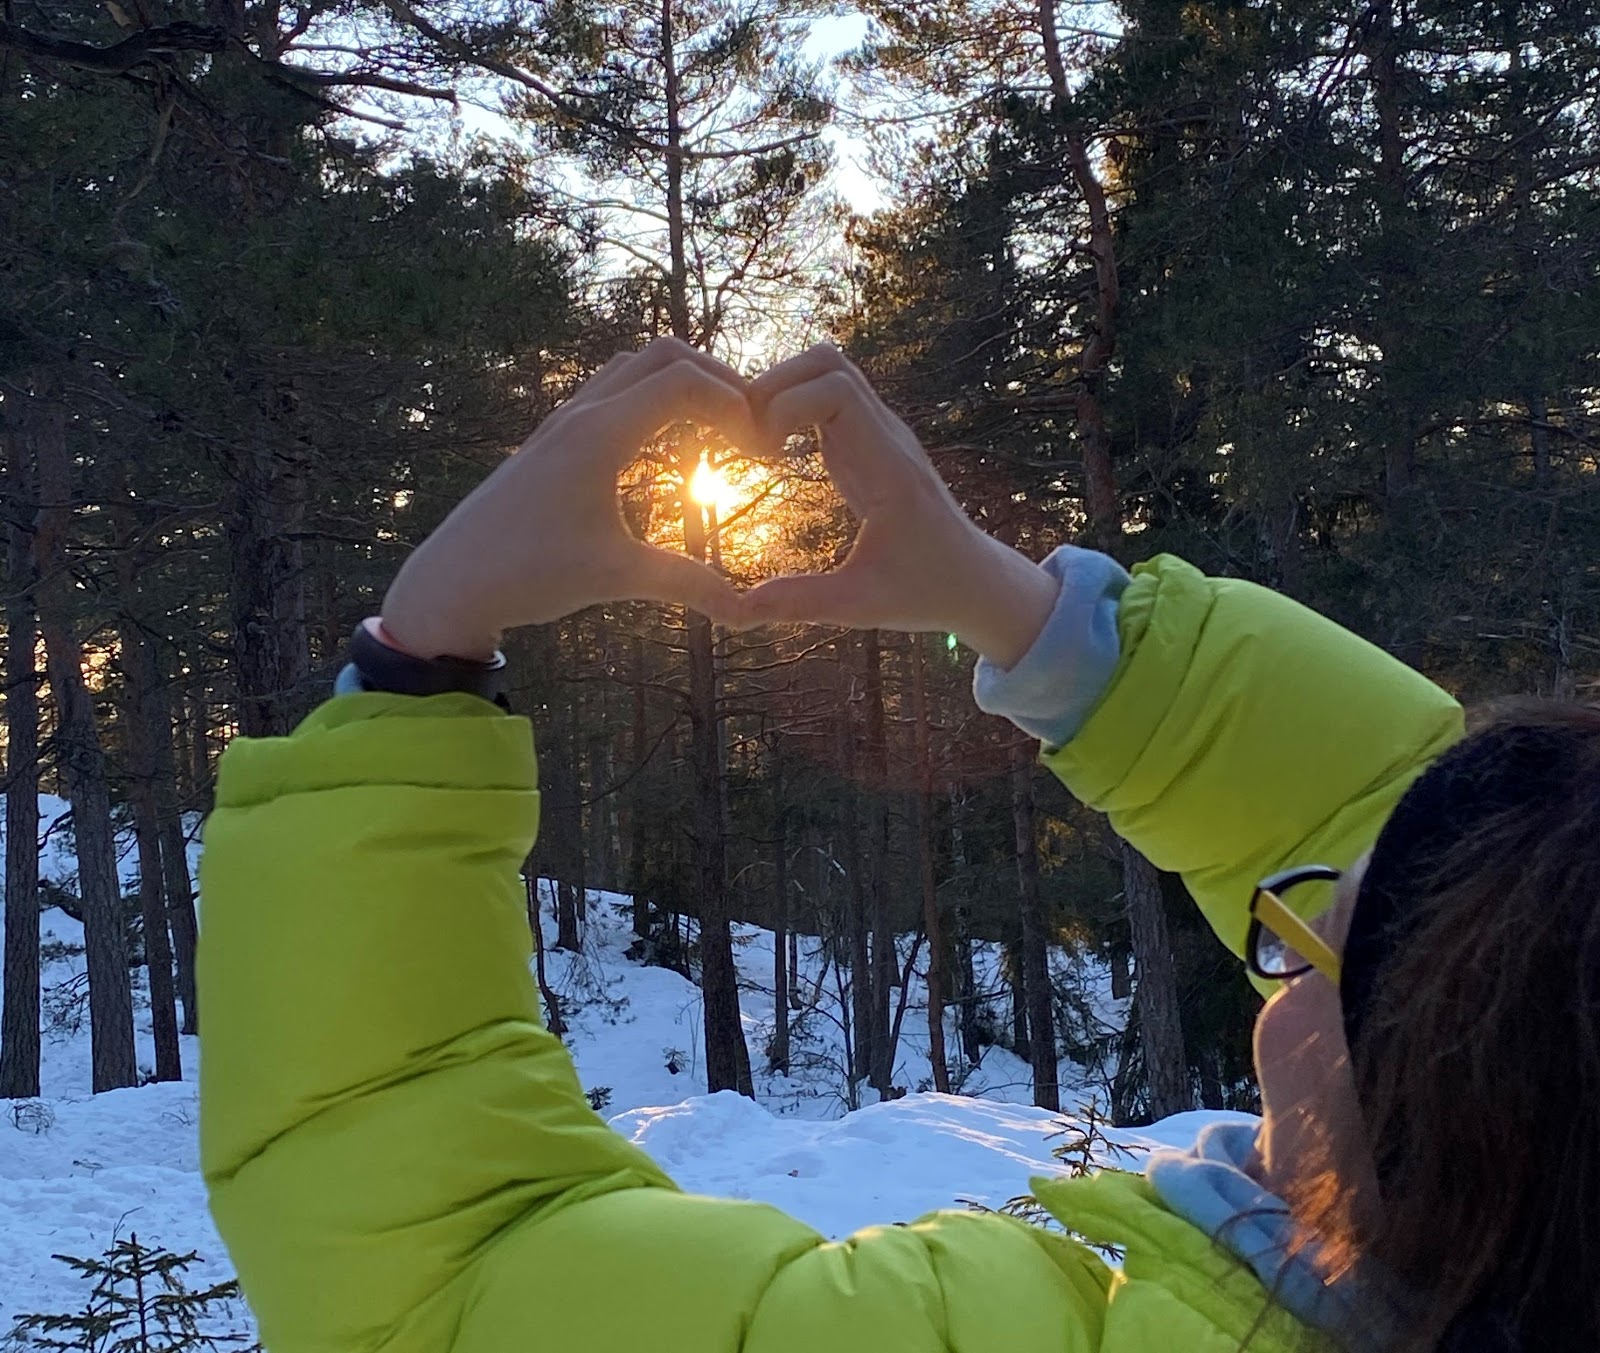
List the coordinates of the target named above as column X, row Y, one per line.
column 843, row 598
column 815, row 361
column 609, row 378
column 857, row 434
column 664, row 575
column 684, row 392
column 661, row 352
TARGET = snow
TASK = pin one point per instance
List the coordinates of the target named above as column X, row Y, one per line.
column 78, row 1170
column 885, row 1162
column 615, row 993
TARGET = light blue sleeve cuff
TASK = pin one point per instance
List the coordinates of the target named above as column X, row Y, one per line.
column 1051, row 691
column 348, row 682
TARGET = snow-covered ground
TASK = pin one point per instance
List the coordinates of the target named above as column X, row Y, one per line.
column 78, row 1170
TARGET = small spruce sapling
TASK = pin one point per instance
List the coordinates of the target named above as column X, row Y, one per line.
column 139, row 1304
column 1083, row 1148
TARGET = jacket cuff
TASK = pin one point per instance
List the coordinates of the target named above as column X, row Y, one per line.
column 1051, row 692
column 454, row 741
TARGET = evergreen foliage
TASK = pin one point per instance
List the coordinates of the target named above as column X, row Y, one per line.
column 274, row 305
column 140, row 1302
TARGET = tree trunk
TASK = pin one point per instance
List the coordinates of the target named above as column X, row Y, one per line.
column 1019, row 996
column 561, row 855
column 1121, row 973
column 139, row 674
column 931, row 921
column 602, row 847
column 1383, row 66
column 82, row 762
column 1054, row 66
column 1125, row 1077
column 1156, row 988
column 638, row 794
column 144, row 731
column 179, row 891
column 569, row 901
column 19, row 1018
column 967, row 992
column 330, row 627
column 272, row 660
column 727, row 1055
column 778, row 1056
column 599, row 830
column 1400, row 464
column 677, row 252
column 201, row 788
column 1539, row 439
column 885, row 960
column 1094, row 363
column 966, row 978
column 178, row 886
column 552, row 1006
column 1382, row 47
column 678, row 869
column 902, row 1002
column 577, row 890
column 1035, row 956
column 1286, row 549
column 851, row 798
column 157, row 941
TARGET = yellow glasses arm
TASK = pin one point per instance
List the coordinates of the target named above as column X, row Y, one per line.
column 1299, row 936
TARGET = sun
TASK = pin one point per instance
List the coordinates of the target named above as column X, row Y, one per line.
column 746, row 503
column 709, row 487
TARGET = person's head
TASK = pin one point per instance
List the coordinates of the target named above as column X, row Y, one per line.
column 1438, row 1109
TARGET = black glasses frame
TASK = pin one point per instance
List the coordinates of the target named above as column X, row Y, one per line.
column 1278, row 884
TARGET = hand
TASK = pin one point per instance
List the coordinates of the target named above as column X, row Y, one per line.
column 918, row 563
column 543, row 536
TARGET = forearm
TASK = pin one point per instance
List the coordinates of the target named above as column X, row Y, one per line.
column 1242, row 732
column 1226, row 730
column 378, row 1096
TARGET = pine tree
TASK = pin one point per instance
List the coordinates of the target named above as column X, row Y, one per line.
column 140, row 1303
column 283, row 354
column 699, row 132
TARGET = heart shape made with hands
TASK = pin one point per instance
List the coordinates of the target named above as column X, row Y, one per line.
column 544, row 535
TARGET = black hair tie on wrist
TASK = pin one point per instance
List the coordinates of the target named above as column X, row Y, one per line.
column 381, row 668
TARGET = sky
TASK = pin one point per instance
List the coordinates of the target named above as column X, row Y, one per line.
column 829, row 38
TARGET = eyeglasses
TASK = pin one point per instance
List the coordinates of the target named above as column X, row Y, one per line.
column 1279, row 945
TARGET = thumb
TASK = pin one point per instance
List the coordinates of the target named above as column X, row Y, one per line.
column 840, row 598
column 664, row 575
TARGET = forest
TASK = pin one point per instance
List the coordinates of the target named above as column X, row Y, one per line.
column 1307, row 293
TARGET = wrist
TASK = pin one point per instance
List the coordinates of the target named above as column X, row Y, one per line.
column 435, row 629
column 1014, row 603
column 377, row 663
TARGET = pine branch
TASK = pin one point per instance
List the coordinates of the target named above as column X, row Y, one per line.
column 151, row 46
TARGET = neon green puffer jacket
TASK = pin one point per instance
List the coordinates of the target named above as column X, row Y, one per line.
column 399, row 1156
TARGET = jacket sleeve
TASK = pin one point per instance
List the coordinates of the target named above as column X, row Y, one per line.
column 1243, row 733
column 399, row 1156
